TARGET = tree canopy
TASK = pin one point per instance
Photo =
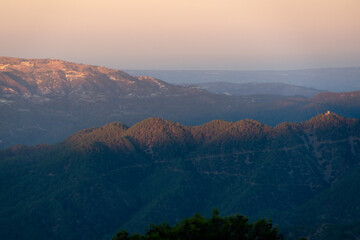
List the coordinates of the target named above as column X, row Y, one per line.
column 214, row 228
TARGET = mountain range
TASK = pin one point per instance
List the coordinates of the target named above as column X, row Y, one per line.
column 304, row 176
column 329, row 79
column 256, row 88
column 45, row 100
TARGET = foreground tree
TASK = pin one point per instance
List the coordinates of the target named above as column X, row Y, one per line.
column 215, row 228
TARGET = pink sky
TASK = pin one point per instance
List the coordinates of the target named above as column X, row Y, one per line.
column 184, row 34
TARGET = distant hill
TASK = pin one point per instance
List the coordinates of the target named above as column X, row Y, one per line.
column 304, row 176
column 256, row 88
column 329, row 79
column 40, row 79
column 44, row 100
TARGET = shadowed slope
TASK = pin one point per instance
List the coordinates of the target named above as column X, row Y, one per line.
column 103, row 179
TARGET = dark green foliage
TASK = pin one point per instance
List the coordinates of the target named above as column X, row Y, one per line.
column 303, row 176
column 214, row 228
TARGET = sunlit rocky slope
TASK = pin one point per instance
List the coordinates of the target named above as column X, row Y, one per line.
column 44, row 100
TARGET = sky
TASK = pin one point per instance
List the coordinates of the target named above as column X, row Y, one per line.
column 185, row 34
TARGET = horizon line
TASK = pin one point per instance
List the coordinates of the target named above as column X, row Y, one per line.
column 190, row 70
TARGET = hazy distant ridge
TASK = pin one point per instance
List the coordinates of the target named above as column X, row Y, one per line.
column 253, row 88
column 329, row 79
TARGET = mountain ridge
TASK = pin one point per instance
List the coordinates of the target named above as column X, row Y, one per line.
column 253, row 88
column 102, row 179
column 329, row 79
column 47, row 100
column 57, row 77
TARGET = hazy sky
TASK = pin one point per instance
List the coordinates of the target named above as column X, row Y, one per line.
column 184, row 34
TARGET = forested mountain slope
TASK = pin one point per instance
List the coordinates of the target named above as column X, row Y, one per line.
column 305, row 176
